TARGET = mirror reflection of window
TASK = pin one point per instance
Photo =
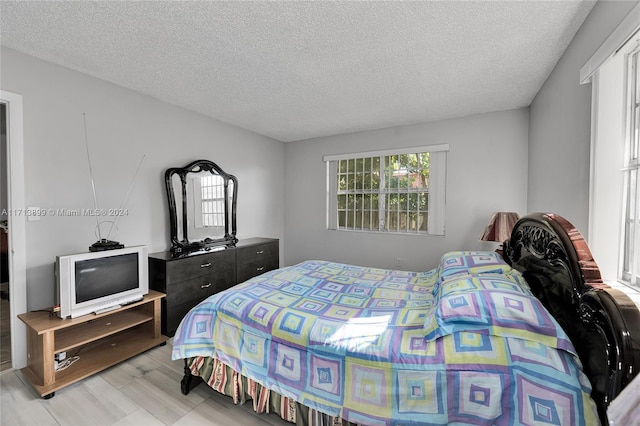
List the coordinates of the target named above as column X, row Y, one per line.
column 212, row 190
column 209, row 207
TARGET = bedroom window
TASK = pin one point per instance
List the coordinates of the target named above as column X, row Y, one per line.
column 631, row 234
column 614, row 190
column 393, row 191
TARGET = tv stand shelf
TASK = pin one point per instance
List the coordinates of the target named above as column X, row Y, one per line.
column 100, row 340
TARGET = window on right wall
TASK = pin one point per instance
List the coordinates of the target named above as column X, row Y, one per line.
column 630, row 262
column 614, row 198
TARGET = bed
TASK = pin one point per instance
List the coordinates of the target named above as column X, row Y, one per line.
column 529, row 337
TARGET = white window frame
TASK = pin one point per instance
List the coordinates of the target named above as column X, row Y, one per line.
column 606, row 70
column 630, row 253
column 436, row 189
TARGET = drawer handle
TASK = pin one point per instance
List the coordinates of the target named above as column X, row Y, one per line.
column 260, row 252
column 260, row 269
column 205, row 285
column 205, row 265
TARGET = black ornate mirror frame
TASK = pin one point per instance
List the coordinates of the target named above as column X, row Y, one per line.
column 185, row 245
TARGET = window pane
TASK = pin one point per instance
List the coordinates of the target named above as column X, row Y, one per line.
column 342, row 202
column 629, row 222
column 367, row 163
column 392, row 221
column 342, row 182
column 634, row 110
column 422, row 221
column 342, row 218
column 413, row 205
column 366, row 180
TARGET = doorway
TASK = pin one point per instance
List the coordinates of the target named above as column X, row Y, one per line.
column 13, row 135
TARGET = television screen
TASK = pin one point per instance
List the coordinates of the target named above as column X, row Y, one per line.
column 105, row 276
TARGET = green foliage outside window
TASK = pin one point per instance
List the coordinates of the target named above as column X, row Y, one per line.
column 388, row 193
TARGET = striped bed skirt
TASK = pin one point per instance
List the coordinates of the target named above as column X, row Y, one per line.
column 222, row 378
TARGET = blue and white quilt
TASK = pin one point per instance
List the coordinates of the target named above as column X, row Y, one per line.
column 464, row 343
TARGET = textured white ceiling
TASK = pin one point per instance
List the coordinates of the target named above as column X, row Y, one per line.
column 296, row 70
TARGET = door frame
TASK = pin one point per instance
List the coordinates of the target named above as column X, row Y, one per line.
column 17, row 226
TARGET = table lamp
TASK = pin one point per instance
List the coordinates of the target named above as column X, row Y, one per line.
column 499, row 228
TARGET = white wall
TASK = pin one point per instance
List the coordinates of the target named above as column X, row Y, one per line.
column 122, row 125
column 486, row 172
column 560, row 124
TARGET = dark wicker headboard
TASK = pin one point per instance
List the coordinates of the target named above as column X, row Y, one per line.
column 602, row 322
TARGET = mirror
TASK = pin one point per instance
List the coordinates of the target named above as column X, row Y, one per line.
column 202, row 206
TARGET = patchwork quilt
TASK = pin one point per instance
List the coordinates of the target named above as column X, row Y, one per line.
column 464, row 343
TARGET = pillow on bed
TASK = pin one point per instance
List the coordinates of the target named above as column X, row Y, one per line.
column 470, row 262
column 509, row 281
column 505, row 312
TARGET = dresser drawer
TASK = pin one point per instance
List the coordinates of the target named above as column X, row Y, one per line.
column 255, row 253
column 198, row 266
column 171, row 317
column 199, row 288
column 255, row 268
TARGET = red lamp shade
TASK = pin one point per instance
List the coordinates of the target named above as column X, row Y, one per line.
column 500, row 226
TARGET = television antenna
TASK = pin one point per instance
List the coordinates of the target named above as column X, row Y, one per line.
column 104, row 243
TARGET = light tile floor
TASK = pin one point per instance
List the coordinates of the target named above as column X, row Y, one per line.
column 144, row 390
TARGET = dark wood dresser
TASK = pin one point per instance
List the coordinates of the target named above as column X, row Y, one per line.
column 189, row 279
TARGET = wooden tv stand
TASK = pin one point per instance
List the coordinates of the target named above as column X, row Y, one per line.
column 100, row 341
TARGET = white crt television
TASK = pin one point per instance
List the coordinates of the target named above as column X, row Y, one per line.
column 100, row 281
